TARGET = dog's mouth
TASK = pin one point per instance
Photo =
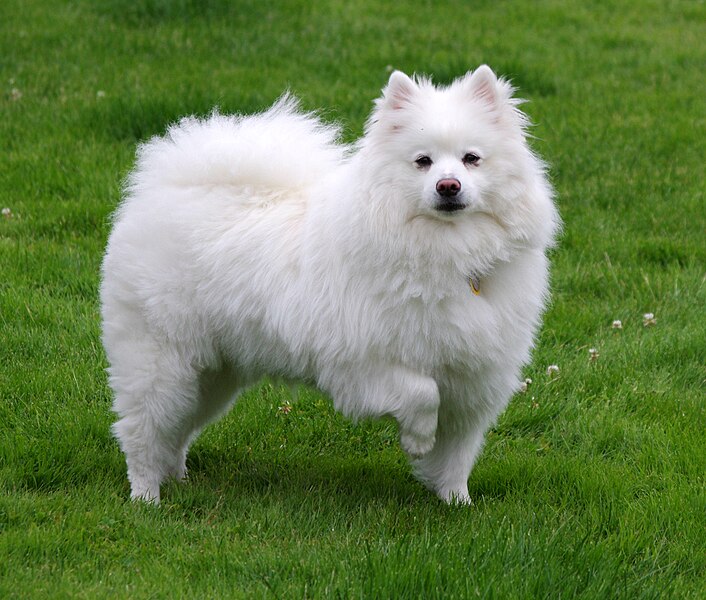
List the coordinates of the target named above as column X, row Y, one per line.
column 449, row 206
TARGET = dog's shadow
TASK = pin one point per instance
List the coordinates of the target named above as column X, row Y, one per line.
column 342, row 482
column 337, row 483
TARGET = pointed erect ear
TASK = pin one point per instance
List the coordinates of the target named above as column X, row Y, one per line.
column 399, row 90
column 483, row 84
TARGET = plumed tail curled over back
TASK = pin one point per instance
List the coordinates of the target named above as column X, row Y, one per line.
column 282, row 147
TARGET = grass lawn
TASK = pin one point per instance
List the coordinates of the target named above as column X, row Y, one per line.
column 592, row 484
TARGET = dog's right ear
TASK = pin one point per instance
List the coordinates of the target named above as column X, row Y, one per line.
column 399, row 91
column 388, row 116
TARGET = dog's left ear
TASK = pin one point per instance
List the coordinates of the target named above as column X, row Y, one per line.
column 483, row 84
column 399, row 91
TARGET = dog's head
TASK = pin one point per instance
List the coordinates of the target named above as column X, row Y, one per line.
column 456, row 153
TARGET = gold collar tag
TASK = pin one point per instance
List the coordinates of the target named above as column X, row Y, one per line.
column 474, row 282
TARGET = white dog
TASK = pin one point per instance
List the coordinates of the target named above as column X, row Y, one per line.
column 404, row 277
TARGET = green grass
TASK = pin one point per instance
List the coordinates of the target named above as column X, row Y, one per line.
column 591, row 485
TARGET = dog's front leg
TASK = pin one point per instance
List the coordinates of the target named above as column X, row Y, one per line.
column 417, row 413
column 409, row 397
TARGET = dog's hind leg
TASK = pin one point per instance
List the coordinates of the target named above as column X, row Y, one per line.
column 218, row 390
column 156, row 397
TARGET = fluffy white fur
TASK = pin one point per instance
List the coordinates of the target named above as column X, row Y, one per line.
column 258, row 245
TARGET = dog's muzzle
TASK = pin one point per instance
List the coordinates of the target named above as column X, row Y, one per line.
column 448, row 191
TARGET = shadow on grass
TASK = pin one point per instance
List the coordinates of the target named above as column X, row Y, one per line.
column 346, row 481
column 297, row 474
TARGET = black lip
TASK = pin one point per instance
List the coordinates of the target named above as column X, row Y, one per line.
column 450, row 206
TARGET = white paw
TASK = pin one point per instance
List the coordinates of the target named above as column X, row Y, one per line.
column 416, row 445
column 144, row 493
column 418, row 431
column 458, row 496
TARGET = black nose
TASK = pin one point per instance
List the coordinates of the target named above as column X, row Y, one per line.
column 448, row 187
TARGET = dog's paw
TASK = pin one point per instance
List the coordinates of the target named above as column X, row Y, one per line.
column 143, row 490
column 456, row 496
column 149, row 496
column 418, row 430
column 415, row 445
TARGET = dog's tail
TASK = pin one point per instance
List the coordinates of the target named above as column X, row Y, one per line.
column 281, row 148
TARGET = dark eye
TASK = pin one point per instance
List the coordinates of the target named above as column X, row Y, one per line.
column 423, row 162
column 471, row 158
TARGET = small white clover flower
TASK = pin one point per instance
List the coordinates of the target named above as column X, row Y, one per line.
column 7, row 213
column 553, row 370
column 648, row 319
column 100, row 94
column 593, row 354
column 15, row 94
column 524, row 386
column 617, row 324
